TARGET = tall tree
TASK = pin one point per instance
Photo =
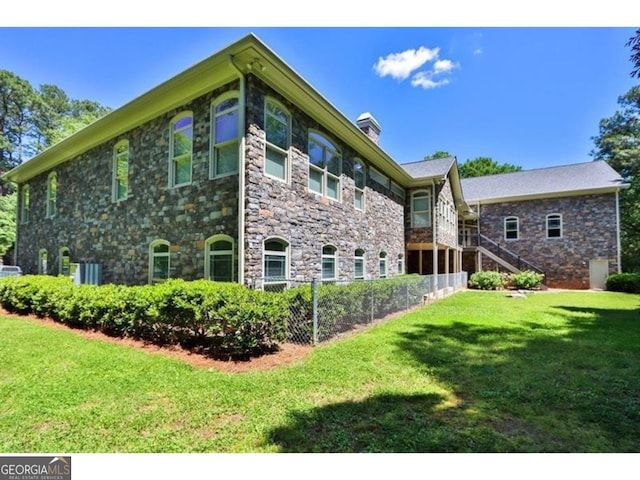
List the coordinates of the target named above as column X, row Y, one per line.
column 619, row 145
column 481, row 166
column 17, row 99
column 634, row 43
column 438, row 154
column 7, row 222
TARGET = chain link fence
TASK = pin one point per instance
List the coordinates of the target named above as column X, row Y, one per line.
column 321, row 311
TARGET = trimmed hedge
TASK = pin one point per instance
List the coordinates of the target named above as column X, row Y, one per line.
column 527, row 280
column 225, row 319
column 487, row 280
column 624, row 282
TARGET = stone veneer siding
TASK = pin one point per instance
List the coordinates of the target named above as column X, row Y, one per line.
column 117, row 235
column 425, row 234
column 307, row 220
column 588, row 227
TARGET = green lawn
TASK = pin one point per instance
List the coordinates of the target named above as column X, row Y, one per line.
column 477, row 372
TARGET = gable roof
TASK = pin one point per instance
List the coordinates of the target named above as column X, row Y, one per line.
column 437, row 167
column 580, row 178
column 247, row 55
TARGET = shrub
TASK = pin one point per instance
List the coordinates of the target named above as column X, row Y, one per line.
column 527, row 280
column 487, row 280
column 624, row 282
column 227, row 319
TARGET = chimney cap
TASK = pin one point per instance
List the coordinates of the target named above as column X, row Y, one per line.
column 367, row 120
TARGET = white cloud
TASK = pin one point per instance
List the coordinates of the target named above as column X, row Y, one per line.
column 400, row 65
column 426, row 81
column 478, row 51
column 443, row 66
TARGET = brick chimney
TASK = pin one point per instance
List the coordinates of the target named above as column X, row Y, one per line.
column 369, row 126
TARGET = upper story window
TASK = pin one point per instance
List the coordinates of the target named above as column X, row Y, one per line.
column 219, row 258
column 554, row 225
column 52, row 194
column 24, row 212
column 379, row 177
column 181, row 149
column 121, row 170
column 329, row 262
column 511, row 228
column 276, row 264
column 226, row 131
column 421, row 209
column 358, row 264
column 159, row 261
column 277, row 123
column 398, row 190
column 325, row 163
column 360, row 181
column 382, row 265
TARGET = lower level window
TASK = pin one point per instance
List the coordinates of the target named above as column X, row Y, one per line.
column 329, row 257
column 276, row 259
column 219, row 258
column 159, row 261
column 383, row 265
column 42, row 262
column 358, row 264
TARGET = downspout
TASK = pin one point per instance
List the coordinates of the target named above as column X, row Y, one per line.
column 19, row 197
column 618, row 245
column 434, row 248
column 241, row 170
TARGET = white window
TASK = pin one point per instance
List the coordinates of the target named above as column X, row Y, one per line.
column 64, row 262
column 325, row 163
column 329, row 262
column 511, row 228
column 24, row 212
column 554, row 225
column 52, row 194
column 218, row 258
column 42, row 262
column 181, row 150
column 400, row 265
column 358, row 264
column 276, row 264
column 225, row 119
column 159, row 261
column 360, row 181
column 121, row 170
column 382, row 265
column 421, row 209
column 379, row 177
column 278, row 139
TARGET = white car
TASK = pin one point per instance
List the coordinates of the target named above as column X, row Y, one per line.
column 10, row 271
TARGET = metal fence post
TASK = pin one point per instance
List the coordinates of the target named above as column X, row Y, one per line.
column 372, row 299
column 314, row 289
column 406, row 290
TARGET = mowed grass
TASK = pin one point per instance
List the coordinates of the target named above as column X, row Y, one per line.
column 477, row 372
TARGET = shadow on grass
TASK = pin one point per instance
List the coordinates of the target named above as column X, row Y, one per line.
column 383, row 423
column 569, row 386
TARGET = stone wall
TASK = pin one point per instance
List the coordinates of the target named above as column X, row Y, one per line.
column 425, row 234
column 306, row 220
column 117, row 235
column 589, row 232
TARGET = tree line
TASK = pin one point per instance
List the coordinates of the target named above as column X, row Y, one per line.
column 31, row 120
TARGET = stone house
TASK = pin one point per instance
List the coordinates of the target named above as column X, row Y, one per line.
column 238, row 170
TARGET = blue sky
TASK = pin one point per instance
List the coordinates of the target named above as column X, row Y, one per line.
column 528, row 96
